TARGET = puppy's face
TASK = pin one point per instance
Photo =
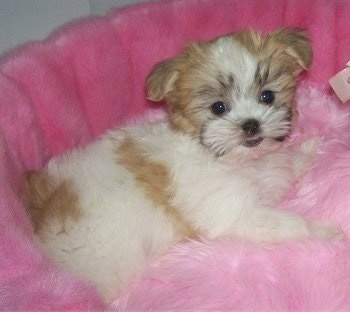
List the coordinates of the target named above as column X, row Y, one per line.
column 234, row 94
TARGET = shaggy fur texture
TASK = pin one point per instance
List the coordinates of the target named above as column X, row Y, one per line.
column 62, row 92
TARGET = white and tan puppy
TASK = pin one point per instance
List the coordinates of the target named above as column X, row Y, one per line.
column 217, row 167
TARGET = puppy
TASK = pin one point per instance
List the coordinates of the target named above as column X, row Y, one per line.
column 216, row 168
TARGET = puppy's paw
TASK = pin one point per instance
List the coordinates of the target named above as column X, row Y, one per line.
column 309, row 147
column 325, row 231
column 271, row 226
column 304, row 155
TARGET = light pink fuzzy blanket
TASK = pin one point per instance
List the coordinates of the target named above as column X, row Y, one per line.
column 89, row 76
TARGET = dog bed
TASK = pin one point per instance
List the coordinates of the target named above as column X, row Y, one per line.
column 89, row 76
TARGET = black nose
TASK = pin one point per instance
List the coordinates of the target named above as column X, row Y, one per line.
column 251, row 127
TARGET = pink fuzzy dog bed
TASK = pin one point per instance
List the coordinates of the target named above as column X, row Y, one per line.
column 89, row 76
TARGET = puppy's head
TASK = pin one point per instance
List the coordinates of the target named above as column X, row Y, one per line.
column 235, row 94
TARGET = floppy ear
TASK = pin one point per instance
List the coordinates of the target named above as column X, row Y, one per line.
column 160, row 82
column 295, row 44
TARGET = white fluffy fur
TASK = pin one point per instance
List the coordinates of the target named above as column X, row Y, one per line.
column 120, row 229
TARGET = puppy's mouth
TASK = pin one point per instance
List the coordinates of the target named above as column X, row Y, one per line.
column 281, row 138
column 256, row 141
column 252, row 142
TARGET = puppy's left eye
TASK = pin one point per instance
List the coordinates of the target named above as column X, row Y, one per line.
column 267, row 97
column 218, row 108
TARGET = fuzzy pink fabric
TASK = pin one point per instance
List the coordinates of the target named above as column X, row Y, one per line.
column 89, row 76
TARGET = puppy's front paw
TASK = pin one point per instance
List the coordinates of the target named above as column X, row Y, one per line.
column 309, row 147
column 304, row 155
column 269, row 225
column 325, row 231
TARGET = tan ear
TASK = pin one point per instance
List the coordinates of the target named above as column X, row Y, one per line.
column 160, row 82
column 296, row 44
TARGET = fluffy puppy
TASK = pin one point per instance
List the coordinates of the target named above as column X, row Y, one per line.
column 217, row 167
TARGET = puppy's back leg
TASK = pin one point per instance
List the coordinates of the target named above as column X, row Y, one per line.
column 49, row 201
column 36, row 193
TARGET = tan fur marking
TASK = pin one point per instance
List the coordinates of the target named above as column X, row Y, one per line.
column 251, row 39
column 154, row 178
column 291, row 47
column 46, row 202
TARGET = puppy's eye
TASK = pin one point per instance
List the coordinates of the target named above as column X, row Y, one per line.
column 267, row 97
column 218, row 108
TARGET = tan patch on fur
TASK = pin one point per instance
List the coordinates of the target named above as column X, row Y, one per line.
column 45, row 202
column 252, row 40
column 155, row 180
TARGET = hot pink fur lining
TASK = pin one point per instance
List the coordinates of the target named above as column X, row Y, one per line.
column 87, row 77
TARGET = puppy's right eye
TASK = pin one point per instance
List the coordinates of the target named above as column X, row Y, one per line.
column 218, row 108
column 267, row 97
